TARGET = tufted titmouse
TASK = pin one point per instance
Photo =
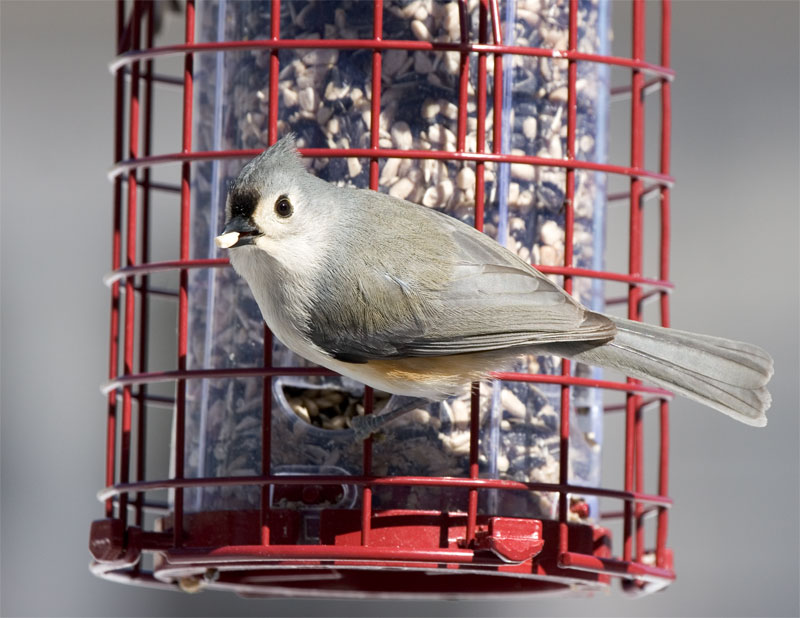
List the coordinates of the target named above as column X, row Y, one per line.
column 414, row 302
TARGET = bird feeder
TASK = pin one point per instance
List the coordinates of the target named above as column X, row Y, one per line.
column 495, row 112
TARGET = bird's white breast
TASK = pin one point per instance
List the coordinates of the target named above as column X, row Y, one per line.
column 282, row 309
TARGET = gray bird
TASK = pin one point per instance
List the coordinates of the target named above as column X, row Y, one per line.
column 416, row 303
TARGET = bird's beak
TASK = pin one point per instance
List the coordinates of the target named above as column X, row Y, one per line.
column 238, row 232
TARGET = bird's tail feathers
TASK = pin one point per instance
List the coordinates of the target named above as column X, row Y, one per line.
column 729, row 376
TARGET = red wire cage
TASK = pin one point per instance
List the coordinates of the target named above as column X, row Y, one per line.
column 382, row 552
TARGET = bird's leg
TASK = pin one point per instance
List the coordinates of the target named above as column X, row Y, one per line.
column 365, row 426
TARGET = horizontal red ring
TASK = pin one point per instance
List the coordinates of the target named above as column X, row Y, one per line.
column 402, row 481
column 647, row 192
column 624, row 568
column 380, row 45
column 392, row 153
column 153, row 377
column 569, row 271
column 168, row 403
column 539, row 378
column 159, row 267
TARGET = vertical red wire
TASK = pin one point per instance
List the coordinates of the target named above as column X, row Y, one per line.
column 366, row 495
column 463, row 78
column 497, row 94
column 183, row 297
column 274, row 68
column 638, row 452
column 266, row 439
column 474, row 434
column 480, row 136
column 266, row 383
column 130, row 260
column 569, row 218
column 497, row 101
column 144, row 308
column 633, row 403
column 480, row 189
column 666, row 132
column 375, row 103
column 461, row 146
column 116, row 260
column 374, row 143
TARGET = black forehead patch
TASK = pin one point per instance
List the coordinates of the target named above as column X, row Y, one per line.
column 243, row 201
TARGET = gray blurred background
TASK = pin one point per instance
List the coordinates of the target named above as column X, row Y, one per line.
column 734, row 527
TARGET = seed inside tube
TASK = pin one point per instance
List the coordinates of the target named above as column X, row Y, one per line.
column 226, row 241
column 428, row 120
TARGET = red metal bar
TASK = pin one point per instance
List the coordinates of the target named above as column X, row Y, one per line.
column 375, row 109
column 625, row 195
column 666, row 132
column 123, row 32
column 480, row 190
column 646, row 403
column 159, row 186
column 170, row 80
column 183, row 299
column 474, row 465
column 116, row 260
column 497, row 101
column 480, row 135
column 366, row 494
column 463, row 80
column 649, row 510
column 623, row 300
column 165, row 402
column 130, row 260
column 156, row 267
column 569, row 228
column 251, row 372
column 164, row 509
column 374, row 178
column 638, row 454
column 400, row 481
column 144, row 307
column 497, row 33
column 366, row 153
column 152, row 267
column 370, row 44
column 266, row 437
column 633, row 415
column 266, row 383
column 651, row 85
column 461, row 146
column 274, row 70
column 377, row 70
column 585, row 562
column 232, row 372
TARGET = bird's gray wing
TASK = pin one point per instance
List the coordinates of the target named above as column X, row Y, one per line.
column 497, row 300
column 488, row 300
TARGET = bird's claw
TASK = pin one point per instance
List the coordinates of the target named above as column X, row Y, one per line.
column 365, row 426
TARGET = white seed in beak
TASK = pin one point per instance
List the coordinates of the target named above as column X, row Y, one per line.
column 226, row 241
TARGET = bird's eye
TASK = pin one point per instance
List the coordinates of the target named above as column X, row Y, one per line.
column 283, row 207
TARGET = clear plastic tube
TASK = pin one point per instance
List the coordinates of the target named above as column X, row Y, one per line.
column 325, row 99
